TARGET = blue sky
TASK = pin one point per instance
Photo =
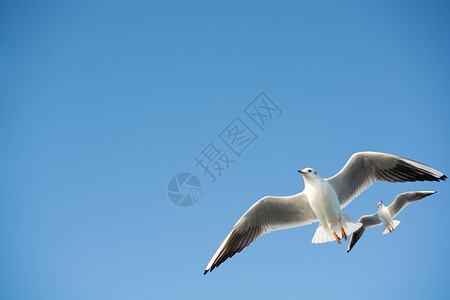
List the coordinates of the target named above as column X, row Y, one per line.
column 101, row 104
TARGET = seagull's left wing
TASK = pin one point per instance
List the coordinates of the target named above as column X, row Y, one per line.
column 268, row 214
column 367, row 221
column 365, row 168
column 404, row 199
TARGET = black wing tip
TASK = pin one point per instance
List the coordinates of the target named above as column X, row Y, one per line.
column 350, row 248
column 350, row 244
column 209, row 270
column 428, row 193
column 405, row 173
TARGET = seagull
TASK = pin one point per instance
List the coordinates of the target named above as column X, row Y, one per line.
column 385, row 215
column 322, row 200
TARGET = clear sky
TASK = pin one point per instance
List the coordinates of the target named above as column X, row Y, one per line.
column 101, row 104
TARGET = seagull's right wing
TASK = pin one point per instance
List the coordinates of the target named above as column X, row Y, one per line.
column 404, row 199
column 268, row 214
column 365, row 168
column 367, row 221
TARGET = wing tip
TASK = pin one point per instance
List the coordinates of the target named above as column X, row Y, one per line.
column 424, row 193
column 350, row 245
column 209, row 270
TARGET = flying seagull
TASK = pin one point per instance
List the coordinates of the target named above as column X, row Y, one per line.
column 385, row 215
column 321, row 200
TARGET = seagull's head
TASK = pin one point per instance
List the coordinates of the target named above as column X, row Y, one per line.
column 380, row 204
column 308, row 173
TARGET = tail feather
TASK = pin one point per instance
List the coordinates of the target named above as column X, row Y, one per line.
column 349, row 224
column 386, row 230
column 323, row 234
column 396, row 222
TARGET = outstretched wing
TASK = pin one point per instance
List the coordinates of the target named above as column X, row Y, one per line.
column 400, row 202
column 268, row 214
column 404, row 199
column 365, row 168
column 367, row 221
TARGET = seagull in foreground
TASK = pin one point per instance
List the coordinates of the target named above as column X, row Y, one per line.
column 385, row 215
column 321, row 200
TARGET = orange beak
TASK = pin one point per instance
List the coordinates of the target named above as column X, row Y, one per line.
column 301, row 172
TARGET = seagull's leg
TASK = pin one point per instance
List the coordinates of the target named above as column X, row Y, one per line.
column 335, row 236
column 344, row 235
column 389, row 229
column 392, row 228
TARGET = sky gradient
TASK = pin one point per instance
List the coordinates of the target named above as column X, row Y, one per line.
column 102, row 103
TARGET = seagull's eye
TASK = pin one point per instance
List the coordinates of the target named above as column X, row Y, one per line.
column 309, row 171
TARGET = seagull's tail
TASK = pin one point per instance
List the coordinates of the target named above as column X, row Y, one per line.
column 386, row 230
column 325, row 234
column 349, row 224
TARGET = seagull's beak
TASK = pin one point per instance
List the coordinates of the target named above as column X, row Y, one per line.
column 301, row 172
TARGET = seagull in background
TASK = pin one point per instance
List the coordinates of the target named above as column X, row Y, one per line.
column 321, row 200
column 385, row 215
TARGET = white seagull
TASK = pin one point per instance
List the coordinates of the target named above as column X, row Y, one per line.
column 321, row 200
column 385, row 215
